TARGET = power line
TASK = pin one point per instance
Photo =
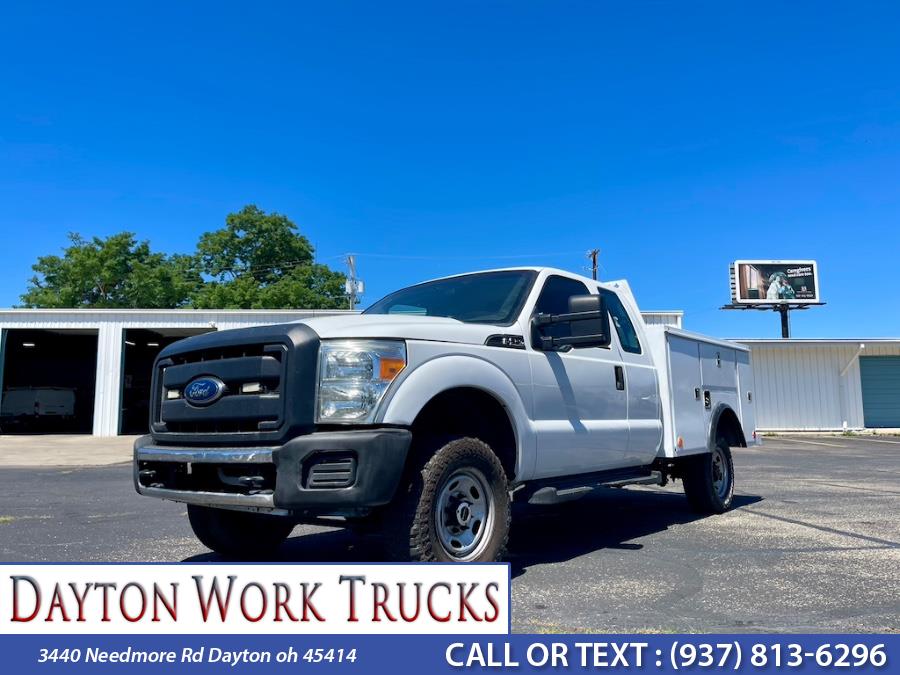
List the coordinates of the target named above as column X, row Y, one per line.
column 289, row 264
column 467, row 257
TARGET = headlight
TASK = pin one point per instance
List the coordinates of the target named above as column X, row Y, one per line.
column 353, row 376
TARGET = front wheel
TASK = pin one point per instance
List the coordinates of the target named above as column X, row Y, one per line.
column 709, row 480
column 455, row 509
column 239, row 533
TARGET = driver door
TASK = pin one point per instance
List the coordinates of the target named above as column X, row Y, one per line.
column 580, row 413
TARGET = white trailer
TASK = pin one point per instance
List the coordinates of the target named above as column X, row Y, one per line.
column 35, row 402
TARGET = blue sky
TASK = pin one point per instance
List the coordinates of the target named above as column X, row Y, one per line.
column 434, row 138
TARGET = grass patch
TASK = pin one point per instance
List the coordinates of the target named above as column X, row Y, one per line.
column 6, row 520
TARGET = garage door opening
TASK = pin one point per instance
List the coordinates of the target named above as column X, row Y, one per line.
column 141, row 347
column 880, row 377
column 49, row 378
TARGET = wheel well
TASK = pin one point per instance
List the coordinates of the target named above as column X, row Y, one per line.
column 466, row 411
column 728, row 428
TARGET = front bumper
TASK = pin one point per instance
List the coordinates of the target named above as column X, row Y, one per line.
column 324, row 473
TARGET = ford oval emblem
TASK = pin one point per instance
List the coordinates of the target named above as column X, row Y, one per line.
column 204, row 390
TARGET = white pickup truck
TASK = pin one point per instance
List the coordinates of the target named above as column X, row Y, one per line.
column 428, row 414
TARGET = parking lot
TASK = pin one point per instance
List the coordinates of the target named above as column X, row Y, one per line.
column 812, row 545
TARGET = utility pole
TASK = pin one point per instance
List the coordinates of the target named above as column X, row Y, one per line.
column 354, row 286
column 592, row 254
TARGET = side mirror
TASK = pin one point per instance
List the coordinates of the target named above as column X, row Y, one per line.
column 593, row 329
column 589, row 321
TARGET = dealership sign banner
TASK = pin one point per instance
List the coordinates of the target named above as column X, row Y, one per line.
column 778, row 282
column 263, row 598
column 353, row 618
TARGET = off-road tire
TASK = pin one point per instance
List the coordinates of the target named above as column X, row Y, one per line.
column 239, row 533
column 700, row 483
column 411, row 519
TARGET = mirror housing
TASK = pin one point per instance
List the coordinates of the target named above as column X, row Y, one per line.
column 588, row 318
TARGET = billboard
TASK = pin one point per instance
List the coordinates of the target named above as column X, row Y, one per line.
column 791, row 282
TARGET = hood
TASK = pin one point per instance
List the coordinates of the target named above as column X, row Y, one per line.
column 404, row 327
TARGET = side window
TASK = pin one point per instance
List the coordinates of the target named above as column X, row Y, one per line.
column 554, row 299
column 624, row 328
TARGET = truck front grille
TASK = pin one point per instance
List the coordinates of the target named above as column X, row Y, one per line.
column 234, row 411
column 267, row 386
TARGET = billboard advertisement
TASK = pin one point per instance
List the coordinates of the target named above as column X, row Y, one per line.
column 755, row 282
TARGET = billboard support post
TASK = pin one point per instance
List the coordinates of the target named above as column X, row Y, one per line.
column 785, row 321
column 784, row 310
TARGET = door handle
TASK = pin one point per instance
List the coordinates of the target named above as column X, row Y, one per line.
column 620, row 378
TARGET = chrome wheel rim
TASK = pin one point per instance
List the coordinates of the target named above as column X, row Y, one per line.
column 720, row 473
column 464, row 514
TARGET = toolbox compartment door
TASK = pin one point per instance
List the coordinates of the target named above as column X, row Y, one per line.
column 688, row 415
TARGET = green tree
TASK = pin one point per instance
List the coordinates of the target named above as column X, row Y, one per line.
column 115, row 272
column 260, row 260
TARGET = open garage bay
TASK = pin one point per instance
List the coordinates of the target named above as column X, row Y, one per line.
column 140, row 349
column 49, row 380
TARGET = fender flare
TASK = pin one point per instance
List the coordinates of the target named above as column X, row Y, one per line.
column 455, row 371
column 717, row 413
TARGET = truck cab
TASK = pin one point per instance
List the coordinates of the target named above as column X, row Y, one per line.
column 427, row 414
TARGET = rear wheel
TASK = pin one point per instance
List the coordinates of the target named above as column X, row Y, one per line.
column 709, row 480
column 455, row 509
column 239, row 533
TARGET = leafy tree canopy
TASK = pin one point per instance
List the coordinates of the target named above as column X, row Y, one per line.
column 309, row 287
column 258, row 260
column 264, row 246
column 115, row 272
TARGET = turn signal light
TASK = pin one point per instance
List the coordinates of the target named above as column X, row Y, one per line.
column 390, row 368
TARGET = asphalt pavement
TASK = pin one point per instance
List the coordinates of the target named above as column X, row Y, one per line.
column 813, row 543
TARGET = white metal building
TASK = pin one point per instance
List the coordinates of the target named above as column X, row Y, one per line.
column 106, row 357
column 107, row 338
column 664, row 318
column 826, row 385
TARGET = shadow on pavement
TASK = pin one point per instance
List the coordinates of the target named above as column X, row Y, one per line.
column 607, row 519
column 338, row 545
column 540, row 534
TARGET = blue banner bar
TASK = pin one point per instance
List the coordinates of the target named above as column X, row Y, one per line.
column 399, row 655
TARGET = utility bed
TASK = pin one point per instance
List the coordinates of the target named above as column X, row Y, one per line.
column 699, row 375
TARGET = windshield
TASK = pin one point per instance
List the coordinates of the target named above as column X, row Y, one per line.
column 489, row 297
